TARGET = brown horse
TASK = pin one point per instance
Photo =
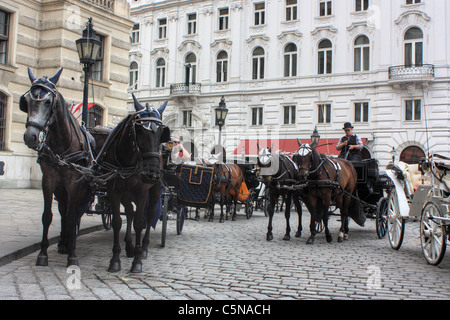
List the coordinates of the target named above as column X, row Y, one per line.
column 60, row 142
column 277, row 171
column 228, row 179
column 326, row 179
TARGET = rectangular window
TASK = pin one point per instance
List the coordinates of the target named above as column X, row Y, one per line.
column 291, row 10
column 187, row 118
column 413, row 110
column 362, row 112
column 162, row 28
column 325, row 8
column 324, row 113
column 3, row 100
column 361, row 5
column 260, row 14
column 97, row 67
column 135, row 33
column 257, row 115
column 4, row 36
column 223, row 18
column 192, row 23
column 413, row 1
column 289, row 114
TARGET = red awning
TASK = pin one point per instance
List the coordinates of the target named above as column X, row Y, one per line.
column 326, row 146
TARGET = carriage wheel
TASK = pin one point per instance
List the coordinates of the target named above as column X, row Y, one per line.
column 181, row 215
column 249, row 206
column 432, row 234
column 381, row 218
column 395, row 223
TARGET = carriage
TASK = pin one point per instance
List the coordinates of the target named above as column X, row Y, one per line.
column 420, row 192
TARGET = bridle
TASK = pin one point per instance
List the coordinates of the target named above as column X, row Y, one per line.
column 43, row 128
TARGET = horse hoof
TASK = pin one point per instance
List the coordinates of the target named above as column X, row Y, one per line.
column 233, row 219
column 345, row 236
column 210, row 220
column 329, row 239
column 136, row 268
column 298, row 234
column 287, row 238
column 310, row 241
column 114, row 266
column 72, row 262
column 269, row 237
column 42, row 261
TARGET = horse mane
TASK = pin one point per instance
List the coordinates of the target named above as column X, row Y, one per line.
column 316, row 159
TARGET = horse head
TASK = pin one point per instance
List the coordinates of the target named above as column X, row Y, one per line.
column 265, row 156
column 304, row 159
column 148, row 133
column 39, row 103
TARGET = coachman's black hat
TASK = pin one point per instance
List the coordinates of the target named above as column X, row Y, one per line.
column 347, row 125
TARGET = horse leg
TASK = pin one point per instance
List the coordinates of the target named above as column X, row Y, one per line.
column 221, row 219
column 339, row 204
column 298, row 206
column 312, row 223
column 212, row 204
column 154, row 200
column 114, row 264
column 61, row 197
column 326, row 207
column 47, row 216
column 233, row 218
column 271, row 211
column 139, row 224
column 129, row 212
column 287, row 215
column 74, row 197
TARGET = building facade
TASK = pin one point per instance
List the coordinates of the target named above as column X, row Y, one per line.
column 285, row 67
column 41, row 35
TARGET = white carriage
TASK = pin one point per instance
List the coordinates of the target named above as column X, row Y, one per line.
column 420, row 193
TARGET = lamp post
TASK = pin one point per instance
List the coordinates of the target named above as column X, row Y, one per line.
column 88, row 47
column 315, row 137
column 393, row 152
column 221, row 115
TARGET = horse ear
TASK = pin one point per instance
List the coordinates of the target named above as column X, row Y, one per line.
column 55, row 78
column 137, row 105
column 299, row 142
column 163, row 107
column 31, row 75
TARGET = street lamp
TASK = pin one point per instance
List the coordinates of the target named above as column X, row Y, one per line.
column 393, row 152
column 315, row 137
column 88, row 47
column 221, row 115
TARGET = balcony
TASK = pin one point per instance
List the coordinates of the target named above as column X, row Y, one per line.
column 411, row 73
column 107, row 5
column 185, row 89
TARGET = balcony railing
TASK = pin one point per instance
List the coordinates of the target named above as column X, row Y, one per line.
column 107, row 5
column 185, row 89
column 424, row 72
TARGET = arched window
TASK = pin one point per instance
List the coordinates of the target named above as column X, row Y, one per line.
column 134, row 72
column 362, row 54
column 160, row 73
column 413, row 47
column 222, row 67
column 325, row 57
column 290, row 60
column 412, row 155
column 190, row 68
column 258, row 63
column 95, row 116
column 3, row 106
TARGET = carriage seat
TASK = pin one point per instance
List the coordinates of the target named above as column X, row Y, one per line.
column 412, row 175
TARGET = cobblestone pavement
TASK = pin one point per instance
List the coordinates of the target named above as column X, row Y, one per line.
column 212, row 261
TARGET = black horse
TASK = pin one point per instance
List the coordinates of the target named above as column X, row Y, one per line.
column 327, row 180
column 55, row 134
column 132, row 155
column 277, row 171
